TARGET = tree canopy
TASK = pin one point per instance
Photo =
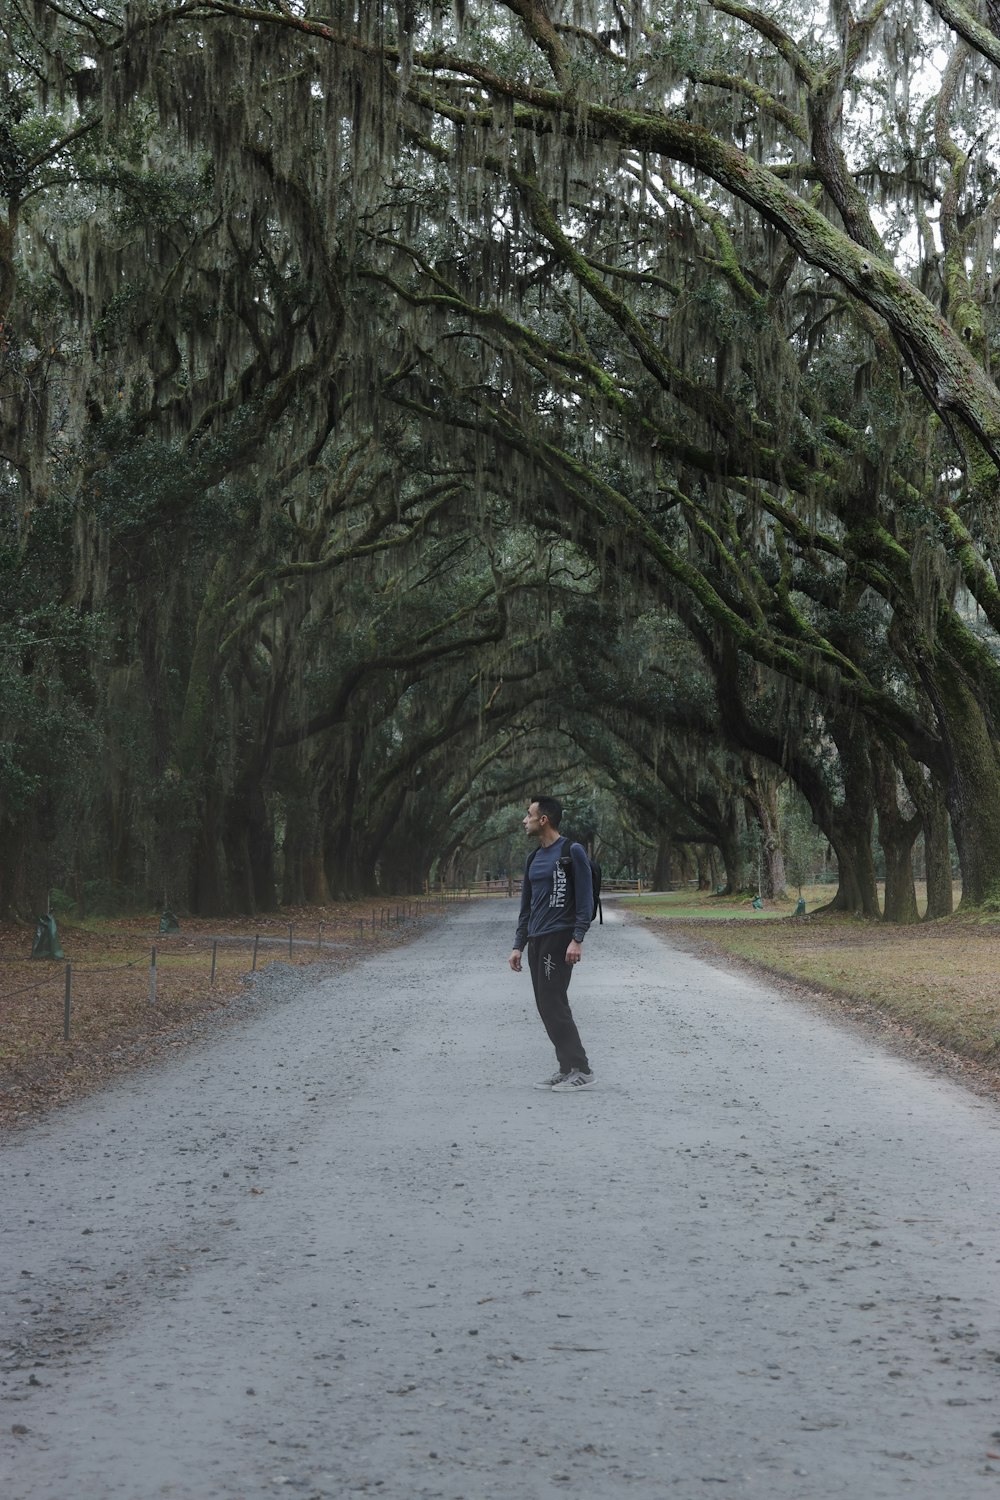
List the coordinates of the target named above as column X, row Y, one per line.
column 403, row 406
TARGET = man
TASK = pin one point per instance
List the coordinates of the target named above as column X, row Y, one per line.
column 557, row 906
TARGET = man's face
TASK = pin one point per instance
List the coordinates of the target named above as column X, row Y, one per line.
column 534, row 821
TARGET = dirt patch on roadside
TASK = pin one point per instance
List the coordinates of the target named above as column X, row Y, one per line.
column 204, row 976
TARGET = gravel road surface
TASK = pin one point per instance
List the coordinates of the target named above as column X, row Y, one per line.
column 343, row 1247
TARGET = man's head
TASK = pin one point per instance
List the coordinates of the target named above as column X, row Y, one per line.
column 543, row 813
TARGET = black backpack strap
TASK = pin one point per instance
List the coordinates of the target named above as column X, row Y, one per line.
column 567, row 859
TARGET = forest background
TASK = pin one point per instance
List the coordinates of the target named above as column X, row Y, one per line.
column 405, row 409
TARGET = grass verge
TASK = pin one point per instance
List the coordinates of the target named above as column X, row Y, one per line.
column 938, row 981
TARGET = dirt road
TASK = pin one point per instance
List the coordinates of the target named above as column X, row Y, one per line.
column 344, row 1248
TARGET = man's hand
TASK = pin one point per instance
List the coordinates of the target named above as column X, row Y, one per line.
column 574, row 952
column 515, row 960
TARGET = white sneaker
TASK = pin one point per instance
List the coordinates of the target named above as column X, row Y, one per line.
column 550, row 1083
column 575, row 1080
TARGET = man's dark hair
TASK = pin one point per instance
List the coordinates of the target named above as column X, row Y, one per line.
column 552, row 809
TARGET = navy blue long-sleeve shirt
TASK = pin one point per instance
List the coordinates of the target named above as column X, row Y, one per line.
column 545, row 894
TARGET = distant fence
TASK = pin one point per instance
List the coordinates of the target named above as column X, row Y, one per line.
column 57, row 974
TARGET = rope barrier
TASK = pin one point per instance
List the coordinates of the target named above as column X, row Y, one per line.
column 329, row 929
column 42, row 980
column 80, row 966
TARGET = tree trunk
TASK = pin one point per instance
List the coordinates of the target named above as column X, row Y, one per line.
column 663, row 865
column 249, row 846
column 196, row 761
column 384, row 849
column 937, row 859
column 896, row 833
column 851, row 824
column 972, row 787
column 21, row 881
column 119, row 835
column 339, row 796
column 314, row 886
column 762, row 804
column 734, row 861
column 206, row 887
column 850, row 835
column 344, row 875
column 900, row 904
column 857, row 887
column 928, row 798
column 303, row 871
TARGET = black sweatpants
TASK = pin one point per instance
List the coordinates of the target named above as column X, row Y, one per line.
column 550, row 977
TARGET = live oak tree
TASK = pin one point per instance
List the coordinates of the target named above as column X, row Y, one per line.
column 705, row 299
column 683, row 316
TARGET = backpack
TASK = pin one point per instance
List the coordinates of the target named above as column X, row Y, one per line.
column 566, row 860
